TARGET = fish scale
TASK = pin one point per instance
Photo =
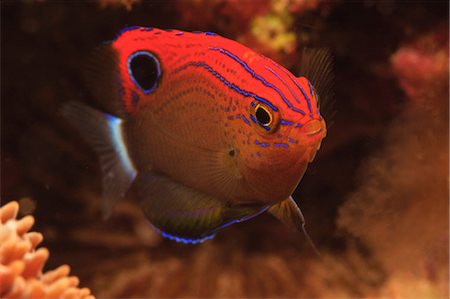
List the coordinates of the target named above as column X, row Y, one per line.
column 210, row 132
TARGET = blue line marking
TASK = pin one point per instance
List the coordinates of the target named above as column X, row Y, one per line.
column 263, row 209
column 210, row 33
column 263, row 144
column 291, row 140
column 286, row 122
column 284, row 82
column 227, row 83
column 182, row 239
column 298, row 125
column 280, row 145
column 158, row 68
column 128, row 29
column 179, row 33
column 311, row 90
column 245, row 120
column 253, row 119
column 261, row 79
column 299, row 87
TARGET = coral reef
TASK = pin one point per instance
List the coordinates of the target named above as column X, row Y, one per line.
column 422, row 66
column 21, row 264
column 398, row 211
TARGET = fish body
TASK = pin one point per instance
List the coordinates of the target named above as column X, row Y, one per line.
column 211, row 132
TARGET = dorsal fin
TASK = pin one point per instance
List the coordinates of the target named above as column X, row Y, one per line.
column 103, row 79
column 317, row 67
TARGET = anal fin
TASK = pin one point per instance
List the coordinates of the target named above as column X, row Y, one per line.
column 289, row 213
column 186, row 215
column 104, row 132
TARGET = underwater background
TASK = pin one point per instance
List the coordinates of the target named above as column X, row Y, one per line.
column 375, row 199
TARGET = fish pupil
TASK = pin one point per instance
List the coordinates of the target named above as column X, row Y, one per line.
column 262, row 116
column 144, row 70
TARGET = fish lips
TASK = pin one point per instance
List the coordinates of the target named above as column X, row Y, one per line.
column 311, row 135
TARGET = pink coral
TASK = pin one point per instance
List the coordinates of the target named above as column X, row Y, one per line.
column 21, row 263
column 422, row 65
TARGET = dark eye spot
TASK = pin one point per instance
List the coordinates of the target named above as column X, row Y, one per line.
column 262, row 115
column 231, row 153
column 144, row 70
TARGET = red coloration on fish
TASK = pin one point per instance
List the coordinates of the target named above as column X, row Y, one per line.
column 213, row 132
column 175, row 48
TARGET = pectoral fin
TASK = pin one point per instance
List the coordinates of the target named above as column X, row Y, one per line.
column 290, row 214
column 186, row 215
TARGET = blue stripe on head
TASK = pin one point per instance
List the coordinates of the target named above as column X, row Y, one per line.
column 245, row 120
column 258, row 77
column 286, row 122
column 311, row 91
column 227, row 83
column 298, row 86
column 284, row 82
column 128, row 29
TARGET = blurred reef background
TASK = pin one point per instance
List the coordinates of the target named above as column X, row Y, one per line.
column 375, row 198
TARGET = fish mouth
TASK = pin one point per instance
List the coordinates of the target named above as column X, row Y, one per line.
column 314, row 127
column 314, row 132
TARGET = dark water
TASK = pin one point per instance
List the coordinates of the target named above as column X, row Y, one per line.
column 370, row 159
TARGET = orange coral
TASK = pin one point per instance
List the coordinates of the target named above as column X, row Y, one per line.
column 21, row 263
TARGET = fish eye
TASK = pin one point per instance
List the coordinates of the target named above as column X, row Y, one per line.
column 144, row 70
column 263, row 115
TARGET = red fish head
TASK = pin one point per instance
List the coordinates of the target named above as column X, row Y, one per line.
column 287, row 130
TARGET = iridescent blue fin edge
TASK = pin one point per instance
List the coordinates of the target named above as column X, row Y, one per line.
column 182, row 239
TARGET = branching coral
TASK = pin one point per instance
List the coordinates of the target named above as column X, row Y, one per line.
column 21, row 263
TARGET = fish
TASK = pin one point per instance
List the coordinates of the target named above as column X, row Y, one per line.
column 209, row 132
